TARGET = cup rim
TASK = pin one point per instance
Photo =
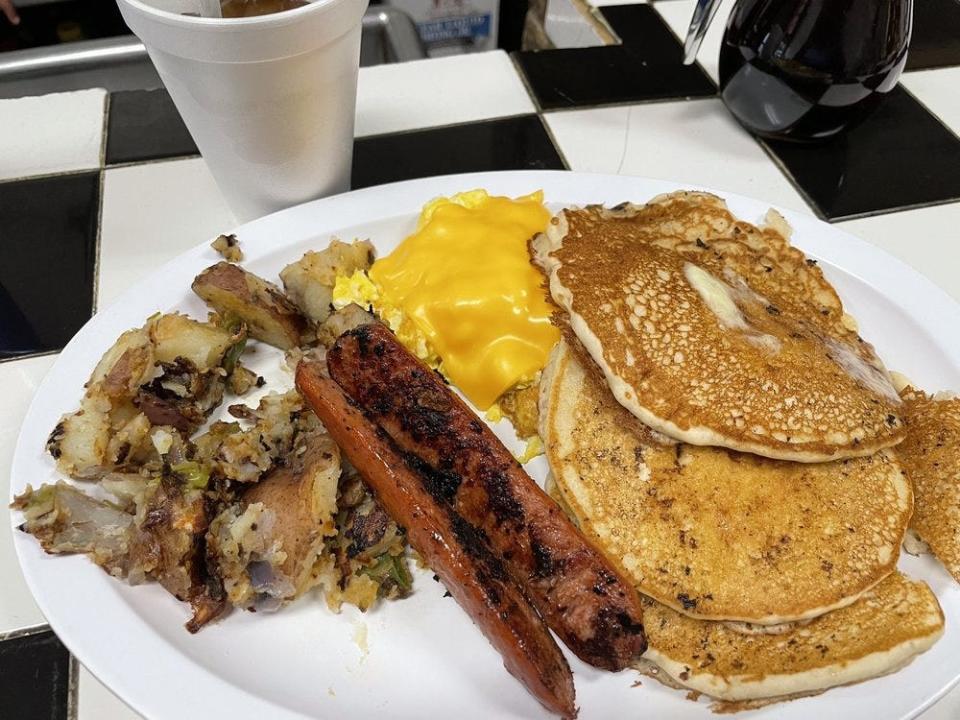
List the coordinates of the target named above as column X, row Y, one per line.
column 216, row 24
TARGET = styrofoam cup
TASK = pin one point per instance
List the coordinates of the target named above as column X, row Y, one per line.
column 269, row 100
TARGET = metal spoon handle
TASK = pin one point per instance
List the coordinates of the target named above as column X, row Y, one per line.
column 702, row 15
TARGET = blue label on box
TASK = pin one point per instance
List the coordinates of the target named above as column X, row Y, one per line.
column 455, row 28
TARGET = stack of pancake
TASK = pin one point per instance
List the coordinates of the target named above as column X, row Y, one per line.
column 715, row 424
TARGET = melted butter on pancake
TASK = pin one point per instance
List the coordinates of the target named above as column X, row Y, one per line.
column 716, row 332
column 719, row 299
column 717, row 295
column 866, row 374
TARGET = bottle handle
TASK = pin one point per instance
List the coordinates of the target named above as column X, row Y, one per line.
column 702, row 16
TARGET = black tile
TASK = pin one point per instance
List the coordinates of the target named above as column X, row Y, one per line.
column 647, row 66
column 48, row 237
column 642, row 25
column 60, row 21
column 936, row 34
column 34, row 677
column 900, row 156
column 145, row 125
column 516, row 143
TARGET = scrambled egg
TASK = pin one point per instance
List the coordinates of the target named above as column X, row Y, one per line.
column 461, row 294
column 361, row 290
column 533, row 448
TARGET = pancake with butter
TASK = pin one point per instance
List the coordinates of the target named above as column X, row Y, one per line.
column 715, row 332
column 930, row 455
column 713, row 533
column 879, row 634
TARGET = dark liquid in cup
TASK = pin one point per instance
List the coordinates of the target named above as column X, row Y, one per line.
column 806, row 69
column 249, row 8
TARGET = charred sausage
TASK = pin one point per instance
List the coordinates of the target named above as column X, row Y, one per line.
column 576, row 590
column 453, row 548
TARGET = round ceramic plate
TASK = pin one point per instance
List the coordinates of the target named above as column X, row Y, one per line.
column 422, row 656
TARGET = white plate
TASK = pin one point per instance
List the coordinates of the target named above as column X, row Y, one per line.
column 424, row 657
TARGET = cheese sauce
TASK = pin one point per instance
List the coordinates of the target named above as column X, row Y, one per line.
column 465, row 280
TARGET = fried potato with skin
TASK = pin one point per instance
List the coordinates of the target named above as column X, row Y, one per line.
column 309, row 281
column 175, row 335
column 339, row 321
column 131, row 443
column 302, row 496
column 228, row 247
column 244, row 456
column 125, row 366
column 161, row 540
column 164, row 373
column 267, row 312
column 79, row 442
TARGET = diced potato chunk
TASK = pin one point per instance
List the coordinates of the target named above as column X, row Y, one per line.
column 309, row 281
column 228, row 247
column 303, row 494
column 176, row 335
column 131, row 443
column 268, row 313
column 125, row 366
column 79, row 442
column 339, row 321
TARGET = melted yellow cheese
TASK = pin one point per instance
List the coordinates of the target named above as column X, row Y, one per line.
column 464, row 279
column 361, row 290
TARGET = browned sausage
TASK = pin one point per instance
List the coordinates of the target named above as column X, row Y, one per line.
column 452, row 547
column 576, row 590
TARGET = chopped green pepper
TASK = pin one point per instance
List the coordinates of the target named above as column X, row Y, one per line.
column 233, row 323
column 195, row 475
column 390, row 571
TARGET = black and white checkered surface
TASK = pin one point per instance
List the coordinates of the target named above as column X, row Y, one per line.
column 97, row 189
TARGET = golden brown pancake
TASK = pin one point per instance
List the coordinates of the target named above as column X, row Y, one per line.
column 699, row 226
column 930, row 455
column 714, row 533
column 715, row 332
column 883, row 631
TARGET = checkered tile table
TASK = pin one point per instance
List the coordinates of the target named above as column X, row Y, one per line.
column 97, row 189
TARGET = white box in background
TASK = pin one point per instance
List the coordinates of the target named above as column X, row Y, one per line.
column 452, row 27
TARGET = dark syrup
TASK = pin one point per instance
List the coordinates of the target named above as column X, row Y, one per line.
column 806, row 69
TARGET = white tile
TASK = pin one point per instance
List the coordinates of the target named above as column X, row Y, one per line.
column 693, row 141
column 928, row 239
column 19, row 380
column 51, row 133
column 96, row 702
column 568, row 27
column 677, row 13
column 937, row 89
column 439, row 91
column 151, row 214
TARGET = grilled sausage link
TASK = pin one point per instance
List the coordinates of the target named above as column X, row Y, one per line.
column 576, row 590
column 450, row 546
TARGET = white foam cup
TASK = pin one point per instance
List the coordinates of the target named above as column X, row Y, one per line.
column 269, row 100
